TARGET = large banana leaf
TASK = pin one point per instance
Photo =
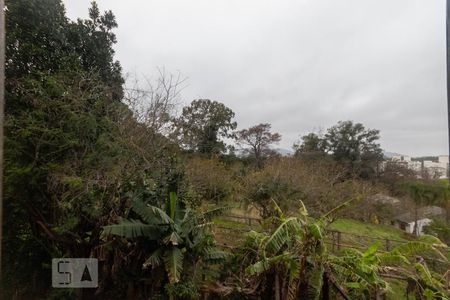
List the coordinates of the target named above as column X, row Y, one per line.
column 315, row 282
column 155, row 259
column 414, row 247
column 173, row 261
column 151, row 214
column 290, row 227
column 212, row 254
column 132, row 229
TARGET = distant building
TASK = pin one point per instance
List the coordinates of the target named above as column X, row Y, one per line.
column 401, row 158
column 443, row 159
column 407, row 220
column 434, row 169
column 437, row 169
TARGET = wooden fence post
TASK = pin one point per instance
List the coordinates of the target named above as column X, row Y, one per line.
column 339, row 240
column 332, row 241
column 447, row 279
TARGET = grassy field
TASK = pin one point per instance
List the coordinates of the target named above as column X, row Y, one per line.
column 361, row 234
column 354, row 233
column 367, row 229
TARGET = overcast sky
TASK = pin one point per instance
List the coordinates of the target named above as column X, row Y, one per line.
column 300, row 65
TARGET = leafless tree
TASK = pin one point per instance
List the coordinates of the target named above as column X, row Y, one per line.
column 154, row 103
column 146, row 123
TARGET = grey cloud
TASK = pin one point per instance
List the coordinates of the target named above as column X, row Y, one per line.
column 299, row 65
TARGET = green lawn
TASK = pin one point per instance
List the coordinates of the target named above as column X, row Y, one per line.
column 368, row 229
column 232, row 224
column 362, row 234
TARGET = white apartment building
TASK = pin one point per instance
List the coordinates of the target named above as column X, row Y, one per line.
column 437, row 169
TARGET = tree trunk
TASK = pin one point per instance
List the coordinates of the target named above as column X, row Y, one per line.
column 447, row 211
column 325, row 293
column 416, row 217
column 277, row 287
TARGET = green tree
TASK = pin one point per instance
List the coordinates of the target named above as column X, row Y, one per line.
column 354, row 145
column 312, row 145
column 92, row 40
column 37, row 37
column 64, row 159
column 203, row 124
column 42, row 39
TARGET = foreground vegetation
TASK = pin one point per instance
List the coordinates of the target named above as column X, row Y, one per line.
column 97, row 168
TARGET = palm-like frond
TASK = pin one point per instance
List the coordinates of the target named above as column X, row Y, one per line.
column 372, row 249
column 212, row 254
column 293, row 268
column 315, row 282
column 302, row 211
column 193, row 221
column 131, row 229
column 390, row 258
column 258, row 267
column 290, row 227
column 430, row 239
column 316, row 231
column 278, row 210
column 415, row 247
column 254, row 240
column 358, row 270
column 173, row 262
column 425, row 274
column 331, row 213
column 292, row 289
column 155, row 259
column 151, row 214
column 348, row 273
column 172, row 204
column 173, row 239
column 264, row 264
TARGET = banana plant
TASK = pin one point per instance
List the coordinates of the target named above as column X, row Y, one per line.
column 178, row 233
column 293, row 257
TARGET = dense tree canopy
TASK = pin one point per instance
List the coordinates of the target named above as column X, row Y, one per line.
column 355, row 145
column 203, row 124
column 65, row 160
column 311, row 145
column 348, row 143
column 42, row 39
